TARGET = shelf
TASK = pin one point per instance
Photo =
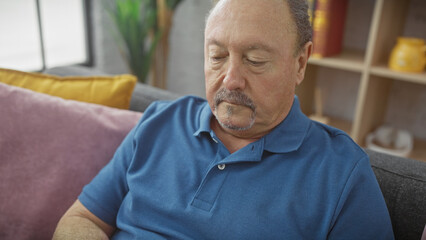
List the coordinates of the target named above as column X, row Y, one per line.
column 341, row 124
column 389, row 20
column 419, row 151
column 351, row 60
column 384, row 71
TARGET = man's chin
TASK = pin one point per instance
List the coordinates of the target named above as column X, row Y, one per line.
column 233, row 127
column 234, row 117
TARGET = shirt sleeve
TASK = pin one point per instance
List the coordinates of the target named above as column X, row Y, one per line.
column 361, row 212
column 104, row 194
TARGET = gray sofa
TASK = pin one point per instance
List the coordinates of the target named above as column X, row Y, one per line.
column 402, row 181
column 403, row 184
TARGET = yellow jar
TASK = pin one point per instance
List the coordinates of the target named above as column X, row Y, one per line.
column 408, row 55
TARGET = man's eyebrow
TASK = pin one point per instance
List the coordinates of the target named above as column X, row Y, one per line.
column 213, row 41
column 260, row 46
column 254, row 46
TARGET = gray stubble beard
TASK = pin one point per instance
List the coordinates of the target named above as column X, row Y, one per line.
column 234, row 97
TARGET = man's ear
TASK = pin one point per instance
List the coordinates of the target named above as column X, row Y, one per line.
column 302, row 61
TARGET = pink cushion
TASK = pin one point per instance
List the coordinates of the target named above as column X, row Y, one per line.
column 49, row 149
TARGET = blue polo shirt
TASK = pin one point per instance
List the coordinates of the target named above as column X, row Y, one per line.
column 172, row 178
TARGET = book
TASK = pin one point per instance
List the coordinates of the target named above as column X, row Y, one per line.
column 328, row 26
column 311, row 10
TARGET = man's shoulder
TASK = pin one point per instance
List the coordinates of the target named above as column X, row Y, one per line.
column 331, row 131
column 333, row 153
column 183, row 112
column 336, row 142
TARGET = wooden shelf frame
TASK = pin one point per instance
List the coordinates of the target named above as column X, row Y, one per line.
column 350, row 60
column 384, row 71
column 376, row 79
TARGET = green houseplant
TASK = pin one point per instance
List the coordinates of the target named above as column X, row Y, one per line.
column 141, row 26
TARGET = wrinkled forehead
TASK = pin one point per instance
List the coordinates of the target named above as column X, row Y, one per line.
column 274, row 12
column 218, row 3
column 268, row 18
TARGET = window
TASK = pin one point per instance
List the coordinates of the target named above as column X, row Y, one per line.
column 39, row 34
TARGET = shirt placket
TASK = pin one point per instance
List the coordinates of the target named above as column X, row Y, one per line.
column 215, row 178
column 213, row 181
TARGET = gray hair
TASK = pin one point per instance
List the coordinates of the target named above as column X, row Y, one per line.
column 299, row 13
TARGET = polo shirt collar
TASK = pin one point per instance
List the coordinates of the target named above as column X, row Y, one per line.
column 204, row 120
column 288, row 136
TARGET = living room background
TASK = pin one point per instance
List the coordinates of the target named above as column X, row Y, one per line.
column 406, row 108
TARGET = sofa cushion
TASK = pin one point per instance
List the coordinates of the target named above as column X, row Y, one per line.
column 113, row 91
column 143, row 94
column 49, row 149
column 403, row 184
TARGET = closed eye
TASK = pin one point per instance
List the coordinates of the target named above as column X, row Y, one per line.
column 255, row 63
column 217, row 59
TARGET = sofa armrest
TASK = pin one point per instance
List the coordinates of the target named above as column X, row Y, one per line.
column 74, row 70
column 403, row 184
column 144, row 94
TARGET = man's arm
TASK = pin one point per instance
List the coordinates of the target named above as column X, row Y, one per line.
column 361, row 212
column 79, row 223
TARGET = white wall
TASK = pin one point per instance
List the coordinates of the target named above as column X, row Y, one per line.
column 185, row 68
column 186, row 63
column 107, row 57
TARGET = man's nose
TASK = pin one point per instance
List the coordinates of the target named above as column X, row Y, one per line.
column 234, row 79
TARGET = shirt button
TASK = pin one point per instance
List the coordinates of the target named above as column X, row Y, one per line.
column 221, row 166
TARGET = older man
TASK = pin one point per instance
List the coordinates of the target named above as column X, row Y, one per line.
column 246, row 164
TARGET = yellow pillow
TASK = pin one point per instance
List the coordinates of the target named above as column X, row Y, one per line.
column 114, row 91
